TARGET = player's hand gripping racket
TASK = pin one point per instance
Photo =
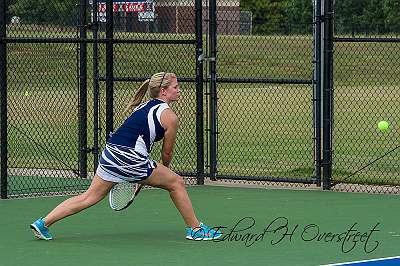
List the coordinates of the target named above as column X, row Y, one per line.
column 123, row 194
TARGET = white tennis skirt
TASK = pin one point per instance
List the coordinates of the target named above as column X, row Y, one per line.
column 119, row 163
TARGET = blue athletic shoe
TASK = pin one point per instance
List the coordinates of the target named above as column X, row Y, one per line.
column 40, row 230
column 203, row 232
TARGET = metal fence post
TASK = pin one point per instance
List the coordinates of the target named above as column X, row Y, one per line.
column 109, row 68
column 317, row 90
column 327, row 94
column 199, row 93
column 82, row 91
column 3, row 105
column 96, row 90
column 213, row 88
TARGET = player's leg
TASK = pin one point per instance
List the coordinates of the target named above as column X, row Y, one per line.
column 164, row 178
column 96, row 192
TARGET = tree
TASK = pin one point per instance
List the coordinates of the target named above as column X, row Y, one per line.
column 391, row 10
column 373, row 17
column 348, row 15
column 269, row 16
column 45, row 11
column 300, row 15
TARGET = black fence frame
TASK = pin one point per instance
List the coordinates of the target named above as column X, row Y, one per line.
column 322, row 81
column 3, row 100
column 323, row 88
column 109, row 80
column 327, row 93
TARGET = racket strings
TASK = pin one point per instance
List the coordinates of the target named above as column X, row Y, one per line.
column 121, row 195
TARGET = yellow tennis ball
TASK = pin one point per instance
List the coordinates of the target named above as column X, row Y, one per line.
column 26, row 93
column 383, row 125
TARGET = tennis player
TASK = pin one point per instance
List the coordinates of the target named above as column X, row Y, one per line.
column 126, row 158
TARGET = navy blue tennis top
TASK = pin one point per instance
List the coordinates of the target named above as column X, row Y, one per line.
column 142, row 128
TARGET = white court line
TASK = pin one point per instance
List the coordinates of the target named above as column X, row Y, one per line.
column 360, row 261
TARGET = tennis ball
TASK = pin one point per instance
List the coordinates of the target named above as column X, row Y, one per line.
column 26, row 93
column 383, row 125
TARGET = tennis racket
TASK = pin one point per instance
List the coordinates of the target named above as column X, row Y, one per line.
column 123, row 194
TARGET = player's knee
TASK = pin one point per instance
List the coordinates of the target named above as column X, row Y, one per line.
column 90, row 199
column 178, row 183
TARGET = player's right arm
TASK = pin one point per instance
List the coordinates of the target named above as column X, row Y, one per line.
column 170, row 123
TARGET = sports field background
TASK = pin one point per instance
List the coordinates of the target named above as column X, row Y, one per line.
column 43, row 77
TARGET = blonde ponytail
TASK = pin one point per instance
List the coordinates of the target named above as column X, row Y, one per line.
column 154, row 85
column 138, row 98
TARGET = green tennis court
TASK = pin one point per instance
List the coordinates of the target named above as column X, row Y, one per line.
column 302, row 228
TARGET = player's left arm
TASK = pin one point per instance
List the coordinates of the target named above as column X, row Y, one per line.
column 170, row 122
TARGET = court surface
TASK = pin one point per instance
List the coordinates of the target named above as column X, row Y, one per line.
column 262, row 227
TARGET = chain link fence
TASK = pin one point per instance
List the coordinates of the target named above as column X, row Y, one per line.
column 366, row 91
column 46, row 111
column 163, row 41
column 42, row 101
column 265, row 104
column 249, row 107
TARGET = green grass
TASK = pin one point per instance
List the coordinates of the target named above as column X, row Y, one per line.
column 264, row 129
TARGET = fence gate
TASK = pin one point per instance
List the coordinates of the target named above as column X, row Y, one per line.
column 66, row 78
column 366, row 81
column 141, row 44
column 261, row 115
column 43, row 152
column 70, row 77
